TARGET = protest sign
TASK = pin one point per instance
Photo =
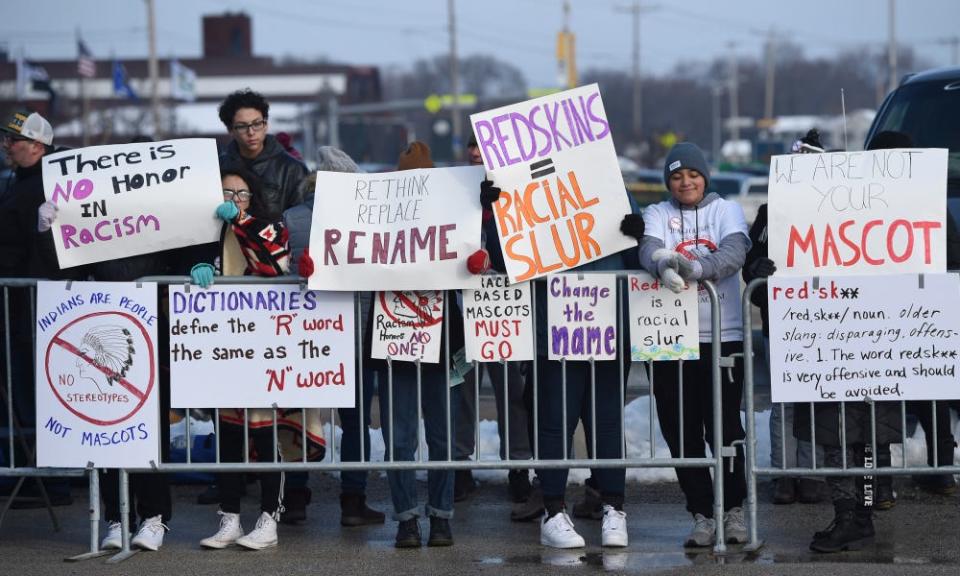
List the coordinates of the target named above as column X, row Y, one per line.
column 255, row 346
column 122, row 200
column 582, row 316
column 96, row 374
column 498, row 324
column 852, row 337
column 663, row 325
column 408, row 325
column 879, row 212
column 562, row 196
column 410, row 230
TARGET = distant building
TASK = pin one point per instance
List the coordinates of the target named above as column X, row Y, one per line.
column 298, row 92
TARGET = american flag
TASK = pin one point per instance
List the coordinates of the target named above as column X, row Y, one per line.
column 86, row 66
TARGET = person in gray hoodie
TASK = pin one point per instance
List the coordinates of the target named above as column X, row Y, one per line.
column 697, row 236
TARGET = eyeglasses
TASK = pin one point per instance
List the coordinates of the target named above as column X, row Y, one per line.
column 255, row 127
column 242, row 195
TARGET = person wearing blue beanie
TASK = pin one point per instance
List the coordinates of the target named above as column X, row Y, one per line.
column 686, row 155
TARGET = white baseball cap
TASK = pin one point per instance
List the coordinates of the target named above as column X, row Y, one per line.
column 29, row 125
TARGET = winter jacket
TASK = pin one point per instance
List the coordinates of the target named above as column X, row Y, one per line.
column 279, row 172
column 298, row 220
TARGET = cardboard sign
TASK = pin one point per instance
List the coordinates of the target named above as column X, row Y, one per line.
column 582, row 316
column 122, row 200
column 96, row 375
column 497, row 321
column 253, row 346
column 408, row 326
column 416, row 228
column 663, row 325
column 856, row 213
column 562, row 196
column 852, row 337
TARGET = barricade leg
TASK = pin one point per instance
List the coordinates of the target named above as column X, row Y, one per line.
column 94, row 495
column 125, row 551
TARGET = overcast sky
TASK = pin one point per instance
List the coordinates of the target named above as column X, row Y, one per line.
column 523, row 32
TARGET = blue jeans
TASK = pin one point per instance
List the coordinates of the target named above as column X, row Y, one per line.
column 405, row 433
column 355, row 481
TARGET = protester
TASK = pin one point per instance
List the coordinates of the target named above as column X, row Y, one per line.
column 786, row 450
column 263, row 241
column 697, row 236
column 353, row 483
column 518, row 480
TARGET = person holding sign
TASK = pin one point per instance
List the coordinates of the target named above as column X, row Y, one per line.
column 693, row 237
column 263, row 240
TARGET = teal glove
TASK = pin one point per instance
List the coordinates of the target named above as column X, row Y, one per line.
column 202, row 275
column 227, row 211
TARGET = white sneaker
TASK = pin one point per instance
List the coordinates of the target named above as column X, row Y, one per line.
column 704, row 532
column 150, row 535
column 263, row 536
column 614, row 527
column 114, row 538
column 558, row 532
column 734, row 527
column 230, row 531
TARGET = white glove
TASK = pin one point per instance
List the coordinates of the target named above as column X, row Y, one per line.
column 672, row 280
column 46, row 215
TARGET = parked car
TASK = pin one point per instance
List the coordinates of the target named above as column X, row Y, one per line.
column 926, row 107
column 748, row 190
column 646, row 185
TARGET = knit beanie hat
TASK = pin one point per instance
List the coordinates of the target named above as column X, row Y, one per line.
column 686, row 155
column 332, row 159
column 417, row 155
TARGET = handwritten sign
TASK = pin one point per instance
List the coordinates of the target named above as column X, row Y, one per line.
column 408, row 325
column 879, row 212
column 562, row 196
column 415, row 227
column 498, row 324
column 252, row 346
column 97, row 374
column 852, row 337
column 663, row 325
column 123, row 200
column 582, row 316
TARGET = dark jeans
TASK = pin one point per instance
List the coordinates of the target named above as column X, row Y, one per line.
column 355, row 482
column 696, row 483
column 231, row 484
column 609, row 437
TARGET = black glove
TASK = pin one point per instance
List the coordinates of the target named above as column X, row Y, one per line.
column 632, row 225
column 762, row 268
column 488, row 194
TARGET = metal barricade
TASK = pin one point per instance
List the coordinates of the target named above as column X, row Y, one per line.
column 866, row 469
column 713, row 462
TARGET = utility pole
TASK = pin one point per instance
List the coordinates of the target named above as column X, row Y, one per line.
column 153, row 67
column 716, row 92
column 635, row 10
column 892, row 44
column 566, row 52
column 768, row 92
column 734, row 91
column 84, row 101
column 454, row 81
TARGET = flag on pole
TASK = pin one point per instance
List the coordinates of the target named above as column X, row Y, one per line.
column 86, row 66
column 183, row 82
column 31, row 77
column 121, row 84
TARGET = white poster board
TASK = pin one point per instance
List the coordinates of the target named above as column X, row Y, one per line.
column 856, row 213
column 408, row 326
column 253, row 346
column 127, row 199
column 410, row 230
column 563, row 196
column 498, row 321
column 582, row 316
column 663, row 325
column 849, row 337
column 97, row 375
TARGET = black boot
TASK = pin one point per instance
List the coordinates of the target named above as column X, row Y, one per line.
column 519, row 482
column 848, row 531
column 408, row 534
column 295, row 502
column 440, row 534
column 463, row 485
column 591, row 507
column 355, row 512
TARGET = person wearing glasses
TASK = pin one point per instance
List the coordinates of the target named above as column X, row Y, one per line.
column 245, row 115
